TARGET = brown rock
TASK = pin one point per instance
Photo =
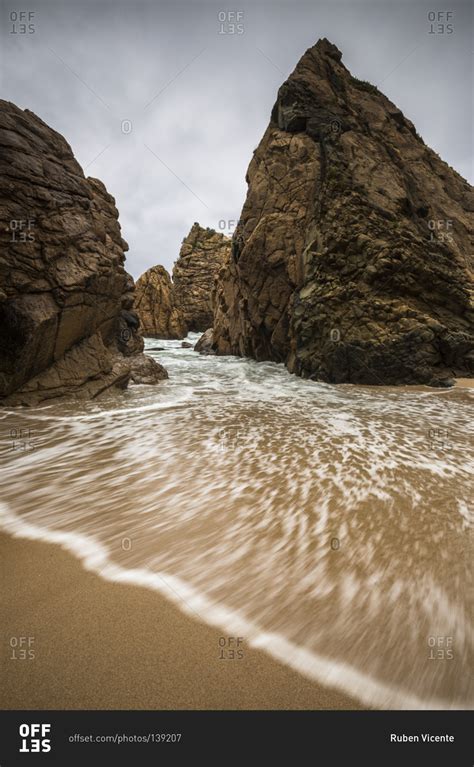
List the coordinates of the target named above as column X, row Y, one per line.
column 352, row 260
column 172, row 309
column 146, row 370
column 87, row 369
column 154, row 303
column 66, row 301
column 201, row 256
column 205, row 345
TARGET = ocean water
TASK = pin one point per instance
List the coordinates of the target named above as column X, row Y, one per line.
column 327, row 525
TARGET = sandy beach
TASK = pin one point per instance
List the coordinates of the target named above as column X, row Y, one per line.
column 101, row 645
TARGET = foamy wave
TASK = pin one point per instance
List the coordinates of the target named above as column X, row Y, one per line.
column 173, row 401
column 95, row 557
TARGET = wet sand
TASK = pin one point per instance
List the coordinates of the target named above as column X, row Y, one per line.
column 465, row 383
column 334, row 536
column 99, row 645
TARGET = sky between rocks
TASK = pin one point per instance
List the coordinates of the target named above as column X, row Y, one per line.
column 196, row 98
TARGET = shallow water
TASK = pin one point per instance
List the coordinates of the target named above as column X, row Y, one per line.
column 329, row 525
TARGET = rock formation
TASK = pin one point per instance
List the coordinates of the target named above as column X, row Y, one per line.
column 202, row 254
column 159, row 318
column 66, row 301
column 171, row 309
column 205, row 344
column 352, row 260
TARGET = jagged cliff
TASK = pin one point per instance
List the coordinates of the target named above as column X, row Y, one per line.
column 66, row 301
column 172, row 309
column 352, row 260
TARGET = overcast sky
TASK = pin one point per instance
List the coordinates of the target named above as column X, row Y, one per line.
column 198, row 98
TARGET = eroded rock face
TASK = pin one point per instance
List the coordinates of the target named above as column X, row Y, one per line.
column 352, row 258
column 66, row 301
column 202, row 254
column 154, row 303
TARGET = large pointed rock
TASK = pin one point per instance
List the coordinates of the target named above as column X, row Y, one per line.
column 352, row 260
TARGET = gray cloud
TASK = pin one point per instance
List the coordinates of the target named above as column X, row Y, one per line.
column 198, row 100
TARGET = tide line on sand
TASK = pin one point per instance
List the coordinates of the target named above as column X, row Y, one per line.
column 95, row 558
